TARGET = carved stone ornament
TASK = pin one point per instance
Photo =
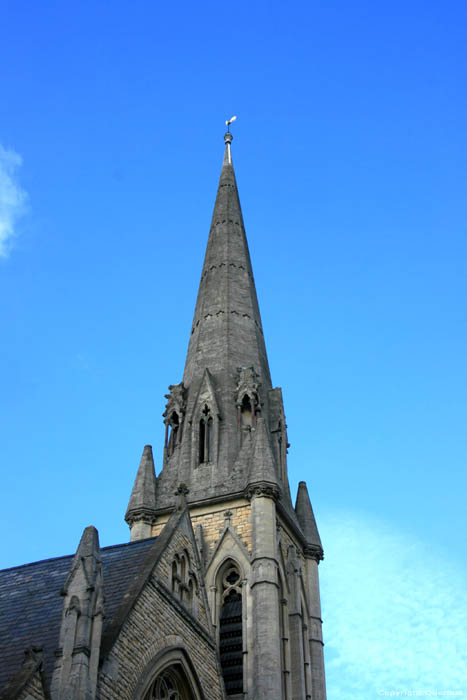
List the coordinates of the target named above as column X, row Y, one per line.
column 182, row 490
column 263, row 490
column 263, row 570
column 312, row 551
column 248, row 384
column 176, row 401
column 140, row 515
column 181, row 493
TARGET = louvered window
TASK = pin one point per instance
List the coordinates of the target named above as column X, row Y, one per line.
column 230, row 631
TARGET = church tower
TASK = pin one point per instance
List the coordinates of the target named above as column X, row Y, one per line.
column 225, row 451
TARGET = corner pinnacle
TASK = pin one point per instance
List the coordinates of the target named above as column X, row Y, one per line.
column 307, row 521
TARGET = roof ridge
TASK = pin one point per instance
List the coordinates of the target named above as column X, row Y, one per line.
column 70, row 556
column 35, row 563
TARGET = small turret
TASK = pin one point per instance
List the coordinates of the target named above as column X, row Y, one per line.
column 313, row 555
column 142, row 505
column 262, row 474
column 307, row 522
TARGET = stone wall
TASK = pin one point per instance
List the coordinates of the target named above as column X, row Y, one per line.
column 157, row 623
column 160, row 622
column 178, row 543
column 287, row 539
column 213, row 521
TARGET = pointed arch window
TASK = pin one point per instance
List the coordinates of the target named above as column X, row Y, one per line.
column 246, row 412
column 173, row 430
column 231, row 628
column 175, row 577
column 173, row 434
column 205, row 435
column 170, row 684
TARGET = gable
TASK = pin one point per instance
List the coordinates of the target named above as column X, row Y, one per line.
column 156, row 617
column 179, row 569
column 31, row 602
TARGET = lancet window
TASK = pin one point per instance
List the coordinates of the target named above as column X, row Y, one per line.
column 246, row 412
column 173, row 428
column 205, row 435
column 231, row 628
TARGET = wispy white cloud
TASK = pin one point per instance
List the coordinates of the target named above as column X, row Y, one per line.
column 12, row 198
column 395, row 613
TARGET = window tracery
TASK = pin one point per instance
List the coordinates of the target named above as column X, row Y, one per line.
column 170, row 685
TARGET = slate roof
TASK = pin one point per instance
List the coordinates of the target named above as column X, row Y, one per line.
column 31, row 604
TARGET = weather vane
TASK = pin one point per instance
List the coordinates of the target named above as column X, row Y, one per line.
column 229, row 122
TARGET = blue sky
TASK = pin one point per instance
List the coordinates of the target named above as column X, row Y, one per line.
column 350, row 152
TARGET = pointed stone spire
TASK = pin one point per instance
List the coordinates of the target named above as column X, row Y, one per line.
column 75, row 673
column 142, row 504
column 262, row 474
column 307, row 521
column 226, row 383
column 227, row 330
column 88, row 556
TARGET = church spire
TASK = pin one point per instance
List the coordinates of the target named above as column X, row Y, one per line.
column 227, row 330
column 226, row 388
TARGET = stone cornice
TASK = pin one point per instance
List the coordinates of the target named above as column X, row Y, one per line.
column 203, row 502
column 145, row 515
column 263, row 489
column 312, row 551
